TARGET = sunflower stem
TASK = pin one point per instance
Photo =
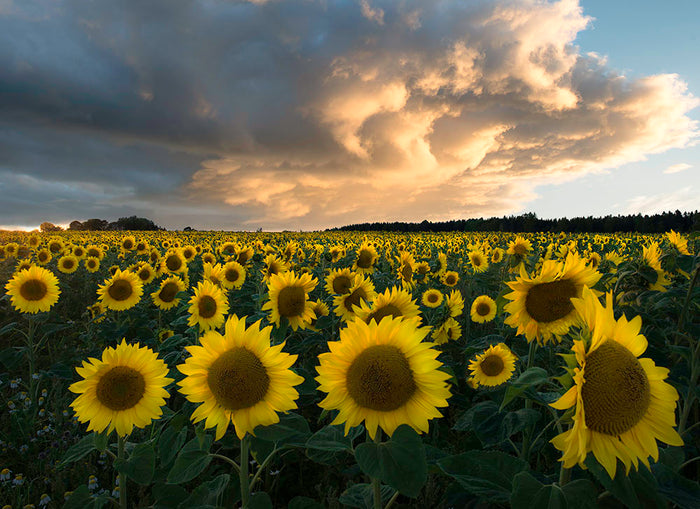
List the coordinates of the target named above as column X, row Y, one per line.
column 122, row 477
column 245, row 461
column 376, row 484
column 564, row 475
column 527, row 432
column 681, row 317
column 392, row 500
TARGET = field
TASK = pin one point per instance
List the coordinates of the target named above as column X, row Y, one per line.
column 309, row 370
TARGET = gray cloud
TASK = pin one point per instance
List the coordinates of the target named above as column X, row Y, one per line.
column 310, row 113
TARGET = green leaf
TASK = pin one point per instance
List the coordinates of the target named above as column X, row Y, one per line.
column 487, row 474
column 581, row 494
column 170, row 443
column 529, row 492
column 492, row 426
column 303, row 503
column 683, row 492
column 192, row 460
column 260, row 500
column 81, row 498
column 527, row 379
column 329, row 438
column 10, row 357
column 292, row 430
column 399, row 462
column 324, row 322
column 621, row 487
column 78, row 451
column 208, row 493
column 140, row 465
column 7, row 328
column 362, row 496
column 169, row 495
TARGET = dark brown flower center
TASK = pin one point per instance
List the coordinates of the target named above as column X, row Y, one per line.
column 483, row 309
column 121, row 388
column 386, row 310
column 128, row 244
column 68, row 264
column 520, row 249
column 492, row 365
column 168, row 292
column 173, row 263
column 616, row 391
column 380, row 378
column 144, row 274
column 120, row 289
column 433, row 298
column 548, row 302
column 238, row 379
column 33, row 289
column 232, row 275
column 342, row 284
column 364, row 259
column 291, row 301
column 407, row 272
column 206, row 306
column 355, row 298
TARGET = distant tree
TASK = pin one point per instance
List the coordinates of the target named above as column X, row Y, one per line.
column 76, row 226
column 134, row 223
column 96, row 224
column 49, row 227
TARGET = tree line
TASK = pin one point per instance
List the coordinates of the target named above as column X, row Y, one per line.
column 655, row 223
column 123, row 223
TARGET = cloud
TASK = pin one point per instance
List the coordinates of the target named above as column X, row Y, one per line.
column 304, row 114
column 682, row 199
column 676, row 168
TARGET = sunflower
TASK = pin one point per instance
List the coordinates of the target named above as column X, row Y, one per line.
column 622, row 403
column 233, row 275
column 122, row 291
column 142, row 247
column 395, row 302
column 188, row 253
column 95, row 251
column 432, row 298
column 227, row 249
column 651, row 257
column 145, row 273
column 441, row 265
column 43, row 256
column 362, row 290
column 407, row 266
column 339, row 281
column 383, row 374
column 273, row 266
column 128, row 243
column 366, row 258
column 245, row 253
column 124, row 389
column 337, row 252
column 68, row 264
column 56, row 246
column 164, row 297
column 208, row 306
column 213, row 273
column 320, row 309
column 209, row 257
column 494, row 366
column 497, row 255
column 97, row 311
column 239, row 378
column 478, row 261
column 449, row 330
column 35, row 240
column 289, row 298
column 455, row 303
column 678, row 242
column 173, row 262
column 422, row 268
column 450, row 278
column 541, row 306
column 483, row 309
column 11, row 249
column 92, row 264
column 519, row 246
column 23, row 265
column 33, row 290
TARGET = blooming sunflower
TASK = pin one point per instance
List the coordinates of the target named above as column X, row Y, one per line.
column 383, row 374
column 33, row 290
column 677, row 240
column 494, row 366
column 124, row 389
column 497, row 255
column 432, row 298
column 395, row 302
column 233, row 275
column 68, row 264
column 289, row 298
column 273, row 265
column 339, row 281
column 622, row 403
column 239, row 378
column 406, row 268
column 164, row 297
column 449, row 330
column 122, row 291
column 483, row 309
column 56, row 246
column 208, row 306
column 173, row 262
column 366, row 258
column 450, row 278
column 145, row 273
column 541, row 306
column 478, row 261
column 320, row 309
column 213, row 273
column 92, row 264
column 455, row 303
column 128, row 243
column 43, row 256
column 209, row 257
column 362, row 290
column 651, row 257
column 520, row 246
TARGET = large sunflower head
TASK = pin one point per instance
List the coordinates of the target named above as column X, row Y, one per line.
column 395, row 302
column 677, row 241
column 432, row 298
column 541, row 306
column 234, row 275
column 622, row 403
column 367, row 256
column 173, row 262
column 68, row 264
column 493, row 367
column 273, row 266
column 478, row 261
column 483, row 309
column 213, row 273
column 145, row 273
column 289, row 298
column 92, row 264
column 239, row 378
column 122, row 291
column 361, row 291
column 339, row 281
column 383, row 374
column 33, row 290
column 124, row 389
column 450, row 278
column 43, row 256
column 208, row 306
column 164, row 297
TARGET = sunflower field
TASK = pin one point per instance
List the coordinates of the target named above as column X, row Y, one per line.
column 341, row 369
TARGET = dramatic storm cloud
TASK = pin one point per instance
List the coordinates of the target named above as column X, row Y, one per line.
column 307, row 114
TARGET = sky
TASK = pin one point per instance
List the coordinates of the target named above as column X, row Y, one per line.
column 308, row 114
